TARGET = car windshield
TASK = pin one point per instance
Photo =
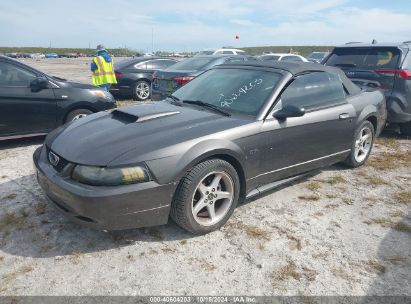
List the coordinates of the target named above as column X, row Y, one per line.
column 365, row 58
column 192, row 64
column 233, row 90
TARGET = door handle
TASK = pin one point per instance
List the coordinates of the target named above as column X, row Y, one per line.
column 344, row 116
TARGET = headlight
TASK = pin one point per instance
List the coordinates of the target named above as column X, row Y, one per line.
column 101, row 94
column 97, row 176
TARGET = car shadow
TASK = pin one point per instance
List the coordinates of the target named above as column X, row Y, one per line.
column 32, row 227
column 393, row 264
column 21, row 142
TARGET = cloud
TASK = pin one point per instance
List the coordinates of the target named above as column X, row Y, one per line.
column 181, row 25
column 243, row 22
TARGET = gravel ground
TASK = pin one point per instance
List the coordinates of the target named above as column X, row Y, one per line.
column 336, row 232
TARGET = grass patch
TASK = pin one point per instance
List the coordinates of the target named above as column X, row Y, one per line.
column 309, row 197
column 348, row 201
column 13, row 275
column 396, row 213
column 288, row 234
column 403, row 197
column 183, row 242
column 288, row 271
column 9, row 197
column 331, row 206
column 389, row 160
column 257, row 233
column 40, row 208
column 338, row 179
column 331, row 196
column 376, row 267
column 388, row 142
column 375, row 181
column 313, row 186
column 397, row 260
column 387, row 223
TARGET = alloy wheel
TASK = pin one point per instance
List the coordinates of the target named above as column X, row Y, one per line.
column 142, row 90
column 79, row 116
column 212, row 198
column 363, row 144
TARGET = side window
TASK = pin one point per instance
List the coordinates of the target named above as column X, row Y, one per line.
column 141, row 65
column 152, row 65
column 291, row 58
column 12, row 75
column 228, row 52
column 164, row 63
column 314, row 90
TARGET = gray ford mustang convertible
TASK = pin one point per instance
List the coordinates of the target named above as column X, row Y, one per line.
column 232, row 133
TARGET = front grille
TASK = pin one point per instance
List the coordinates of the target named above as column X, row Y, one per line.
column 62, row 163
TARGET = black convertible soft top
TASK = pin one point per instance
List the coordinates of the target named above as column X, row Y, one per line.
column 297, row 68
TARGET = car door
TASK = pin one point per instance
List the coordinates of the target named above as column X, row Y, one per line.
column 23, row 111
column 322, row 136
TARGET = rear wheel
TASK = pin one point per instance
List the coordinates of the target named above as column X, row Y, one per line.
column 206, row 197
column 141, row 90
column 77, row 114
column 406, row 128
column 361, row 146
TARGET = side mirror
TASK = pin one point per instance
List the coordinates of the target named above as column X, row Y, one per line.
column 289, row 111
column 38, row 84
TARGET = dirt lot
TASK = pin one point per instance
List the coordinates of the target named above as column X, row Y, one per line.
column 337, row 232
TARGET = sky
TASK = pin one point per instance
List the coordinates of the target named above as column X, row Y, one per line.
column 177, row 25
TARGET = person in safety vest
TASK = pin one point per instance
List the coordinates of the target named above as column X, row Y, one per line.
column 103, row 69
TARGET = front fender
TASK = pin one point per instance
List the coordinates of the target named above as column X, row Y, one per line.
column 173, row 168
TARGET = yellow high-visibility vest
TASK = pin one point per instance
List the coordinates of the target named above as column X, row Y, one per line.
column 104, row 73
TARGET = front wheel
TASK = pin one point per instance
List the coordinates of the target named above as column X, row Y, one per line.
column 206, row 197
column 141, row 90
column 77, row 114
column 361, row 146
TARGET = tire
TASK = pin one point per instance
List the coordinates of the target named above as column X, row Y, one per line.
column 405, row 128
column 197, row 188
column 76, row 114
column 362, row 144
column 141, row 90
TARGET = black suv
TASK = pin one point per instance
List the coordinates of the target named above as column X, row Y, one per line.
column 386, row 66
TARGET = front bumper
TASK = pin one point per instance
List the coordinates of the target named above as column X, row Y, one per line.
column 104, row 208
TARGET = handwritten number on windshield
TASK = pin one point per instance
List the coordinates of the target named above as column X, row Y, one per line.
column 227, row 101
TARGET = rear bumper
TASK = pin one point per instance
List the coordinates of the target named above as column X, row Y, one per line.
column 104, row 208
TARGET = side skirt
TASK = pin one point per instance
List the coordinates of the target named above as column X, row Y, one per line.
column 275, row 184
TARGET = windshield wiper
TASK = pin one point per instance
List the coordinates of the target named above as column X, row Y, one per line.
column 207, row 105
column 176, row 100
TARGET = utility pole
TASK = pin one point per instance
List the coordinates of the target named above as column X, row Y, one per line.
column 152, row 40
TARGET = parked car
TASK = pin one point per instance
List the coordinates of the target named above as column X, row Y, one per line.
column 167, row 81
column 32, row 102
column 51, row 55
column 134, row 76
column 222, row 52
column 283, row 57
column 235, row 131
column 383, row 66
column 317, row 56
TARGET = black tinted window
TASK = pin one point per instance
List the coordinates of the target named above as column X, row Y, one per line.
column 235, row 59
column 364, row 58
column 12, row 75
column 165, row 63
column 314, row 90
column 193, row 64
column 233, row 90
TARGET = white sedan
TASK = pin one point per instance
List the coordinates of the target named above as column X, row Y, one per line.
column 283, row 57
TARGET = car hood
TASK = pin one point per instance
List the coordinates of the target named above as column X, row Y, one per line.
column 74, row 84
column 149, row 130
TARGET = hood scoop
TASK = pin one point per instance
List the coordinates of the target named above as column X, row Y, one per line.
column 127, row 117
